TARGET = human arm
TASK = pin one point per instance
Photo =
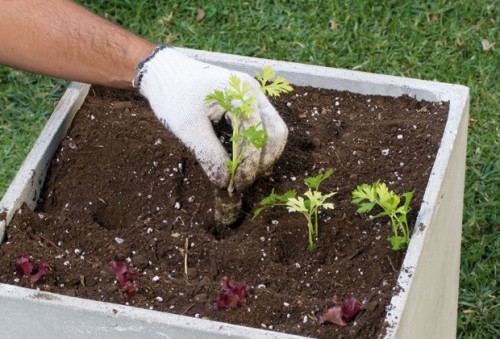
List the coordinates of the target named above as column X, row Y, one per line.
column 62, row 39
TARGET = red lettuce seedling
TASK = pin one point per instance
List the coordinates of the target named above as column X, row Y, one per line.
column 344, row 313
column 25, row 267
column 233, row 294
column 124, row 273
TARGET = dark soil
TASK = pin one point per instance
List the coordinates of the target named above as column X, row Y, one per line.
column 121, row 187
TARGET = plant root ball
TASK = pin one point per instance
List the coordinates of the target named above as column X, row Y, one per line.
column 227, row 208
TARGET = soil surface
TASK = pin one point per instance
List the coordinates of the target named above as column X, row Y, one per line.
column 121, row 187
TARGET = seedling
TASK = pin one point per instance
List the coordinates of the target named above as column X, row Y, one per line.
column 233, row 294
column 342, row 314
column 124, row 273
column 308, row 205
column 25, row 267
column 237, row 100
column 378, row 194
column 272, row 88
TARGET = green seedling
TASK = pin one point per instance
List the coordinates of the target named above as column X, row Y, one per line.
column 278, row 86
column 378, row 194
column 237, row 100
column 308, row 205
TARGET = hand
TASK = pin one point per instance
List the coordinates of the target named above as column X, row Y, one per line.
column 176, row 86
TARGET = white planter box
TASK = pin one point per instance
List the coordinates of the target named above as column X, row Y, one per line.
column 426, row 306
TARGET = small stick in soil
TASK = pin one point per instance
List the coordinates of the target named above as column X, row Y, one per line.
column 179, row 218
column 390, row 262
column 187, row 309
column 186, row 258
column 313, row 318
column 48, row 240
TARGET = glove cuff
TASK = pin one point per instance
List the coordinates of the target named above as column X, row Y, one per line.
column 136, row 80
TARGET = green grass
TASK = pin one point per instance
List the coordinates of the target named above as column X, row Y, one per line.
column 26, row 101
column 434, row 40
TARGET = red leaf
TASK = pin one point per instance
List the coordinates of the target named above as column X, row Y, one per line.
column 25, row 267
column 42, row 270
column 343, row 314
column 350, row 308
column 333, row 315
column 124, row 276
column 129, row 290
column 232, row 295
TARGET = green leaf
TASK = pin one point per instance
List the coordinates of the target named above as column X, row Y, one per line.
column 229, row 164
column 275, row 88
column 297, row 205
column 408, row 196
column 221, row 98
column 267, row 74
column 235, row 87
column 381, row 214
column 363, row 192
column 328, row 206
column 255, row 136
column 397, row 242
column 314, row 182
column 216, row 95
column 401, row 218
column 259, row 139
column 274, row 199
column 365, row 207
column 317, row 198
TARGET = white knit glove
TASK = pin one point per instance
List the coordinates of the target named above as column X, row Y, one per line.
column 176, row 86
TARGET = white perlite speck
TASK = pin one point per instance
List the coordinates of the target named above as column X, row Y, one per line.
column 385, row 151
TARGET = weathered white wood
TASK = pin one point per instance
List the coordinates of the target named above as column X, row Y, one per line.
column 30, row 314
column 426, row 306
column 28, row 181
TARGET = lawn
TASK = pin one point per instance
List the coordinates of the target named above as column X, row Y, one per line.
column 448, row 41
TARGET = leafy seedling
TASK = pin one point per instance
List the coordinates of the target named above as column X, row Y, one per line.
column 26, row 268
column 308, row 205
column 124, row 273
column 233, row 294
column 238, row 101
column 275, row 87
column 378, row 194
column 342, row 314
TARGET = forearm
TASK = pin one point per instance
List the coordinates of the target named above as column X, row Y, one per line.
column 62, row 39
